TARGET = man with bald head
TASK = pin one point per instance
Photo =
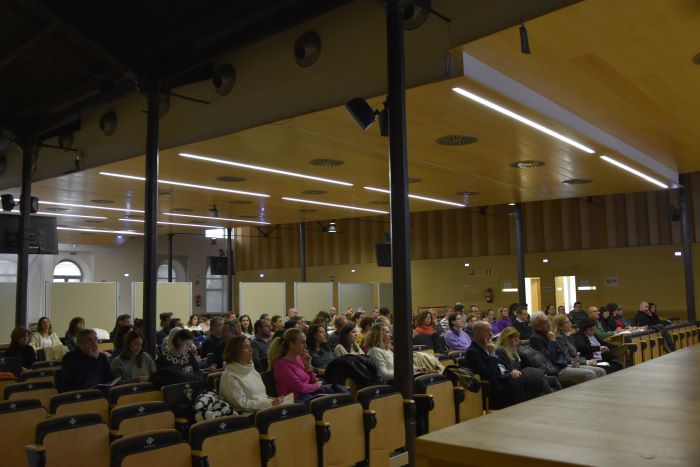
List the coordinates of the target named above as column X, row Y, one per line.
column 481, row 358
column 646, row 318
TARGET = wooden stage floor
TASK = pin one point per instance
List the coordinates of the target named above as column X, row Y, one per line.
column 646, row 415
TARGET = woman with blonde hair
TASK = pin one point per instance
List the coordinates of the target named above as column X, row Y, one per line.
column 533, row 381
column 561, row 326
column 379, row 350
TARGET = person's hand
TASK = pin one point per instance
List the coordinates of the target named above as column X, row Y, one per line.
column 306, row 359
column 143, row 379
column 574, row 364
column 277, row 400
column 591, row 362
column 318, row 383
column 551, row 336
column 515, row 374
column 618, row 330
column 491, row 348
column 604, row 348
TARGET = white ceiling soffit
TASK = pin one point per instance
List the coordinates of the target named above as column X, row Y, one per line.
column 510, row 88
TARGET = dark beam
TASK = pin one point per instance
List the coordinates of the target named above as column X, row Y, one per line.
column 520, row 251
column 687, row 232
column 28, row 45
column 29, row 154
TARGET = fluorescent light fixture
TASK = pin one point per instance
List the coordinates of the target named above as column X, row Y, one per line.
column 424, row 198
column 174, row 223
column 521, row 119
column 87, row 206
column 511, row 204
column 466, row 265
column 677, row 253
column 634, row 171
column 59, row 214
column 545, row 260
column 216, row 233
column 342, row 206
column 222, row 219
column 510, row 289
column 107, row 231
column 126, row 274
column 263, row 169
column 586, row 287
column 352, row 270
column 187, row 185
column 262, row 275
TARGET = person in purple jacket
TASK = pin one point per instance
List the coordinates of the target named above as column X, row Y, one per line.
column 503, row 321
column 455, row 337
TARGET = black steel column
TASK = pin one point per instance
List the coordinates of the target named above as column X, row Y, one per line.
column 520, row 251
column 150, row 265
column 687, row 230
column 28, row 159
column 400, row 215
column 170, row 257
column 229, row 276
column 302, row 250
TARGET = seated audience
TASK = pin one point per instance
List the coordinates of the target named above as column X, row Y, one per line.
column 295, row 322
column 522, row 322
column 338, row 323
column 551, row 310
column 647, row 317
column 366, row 324
column 489, row 316
column 246, row 326
column 347, row 341
column 261, row 342
column 118, row 340
column 593, row 349
column 577, row 314
column 122, row 320
column 85, row 367
column 534, row 381
column 503, row 320
column 379, row 349
column 133, row 365
column 71, row 338
column 242, row 386
column 424, row 323
column 455, row 337
column 481, row 358
column 471, row 320
column 317, row 343
column 601, row 333
column 193, row 324
column 213, row 340
column 543, row 340
column 561, row 310
column 19, row 347
column 561, row 326
column 291, row 365
column 443, row 326
column 616, row 319
column 44, row 337
column 164, row 327
column 178, row 352
column 229, row 329
column 277, row 323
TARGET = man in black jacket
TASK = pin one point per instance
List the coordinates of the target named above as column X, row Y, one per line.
column 85, row 367
column 544, row 341
column 481, row 358
column 522, row 322
column 646, row 318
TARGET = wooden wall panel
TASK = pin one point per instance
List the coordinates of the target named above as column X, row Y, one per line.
column 612, row 221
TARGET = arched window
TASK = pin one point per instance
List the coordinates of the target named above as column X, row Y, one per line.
column 215, row 293
column 163, row 273
column 8, row 271
column 67, row 271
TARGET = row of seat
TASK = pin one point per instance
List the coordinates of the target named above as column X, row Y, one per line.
column 335, row 430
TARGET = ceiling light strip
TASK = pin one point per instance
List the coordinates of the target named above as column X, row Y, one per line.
column 222, row 219
column 117, row 232
column 521, row 119
column 263, row 169
column 187, row 185
column 175, row 223
column 87, row 206
column 57, row 214
column 342, row 206
column 634, row 171
column 424, row 198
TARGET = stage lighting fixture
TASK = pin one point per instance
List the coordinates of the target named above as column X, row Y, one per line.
column 365, row 115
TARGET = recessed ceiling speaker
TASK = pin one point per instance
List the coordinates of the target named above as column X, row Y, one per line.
column 224, row 79
column 108, row 123
column 307, row 49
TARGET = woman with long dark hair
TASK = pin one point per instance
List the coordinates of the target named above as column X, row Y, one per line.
column 317, row 343
column 247, row 326
column 133, row 365
column 347, row 341
column 19, row 347
column 71, row 338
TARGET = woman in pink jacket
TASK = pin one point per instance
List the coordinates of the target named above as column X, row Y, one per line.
column 291, row 363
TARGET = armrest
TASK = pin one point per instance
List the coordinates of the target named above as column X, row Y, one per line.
column 409, row 409
column 424, row 401
column 199, row 459
column 182, row 420
column 36, row 455
column 268, row 447
column 115, row 434
column 458, row 395
column 370, row 419
column 323, row 432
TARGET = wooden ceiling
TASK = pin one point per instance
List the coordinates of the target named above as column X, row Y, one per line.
column 627, row 71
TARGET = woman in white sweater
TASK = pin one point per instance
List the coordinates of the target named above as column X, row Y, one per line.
column 241, row 385
column 379, row 349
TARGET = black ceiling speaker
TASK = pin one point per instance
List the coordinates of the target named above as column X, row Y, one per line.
column 307, row 49
column 224, row 79
column 415, row 14
column 8, row 202
column 108, row 123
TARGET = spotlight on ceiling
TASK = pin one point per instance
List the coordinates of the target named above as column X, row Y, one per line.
column 524, row 42
column 365, row 115
column 331, row 227
column 8, row 202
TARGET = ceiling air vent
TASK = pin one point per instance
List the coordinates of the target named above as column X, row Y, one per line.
column 307, row 210
column 102, row 201
column 240, row 201
column 577, row 181
column 326, row 162
column 528, row 164
column 230, row 179
column 182, row 210
column 314, row 192
column 456, row 140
